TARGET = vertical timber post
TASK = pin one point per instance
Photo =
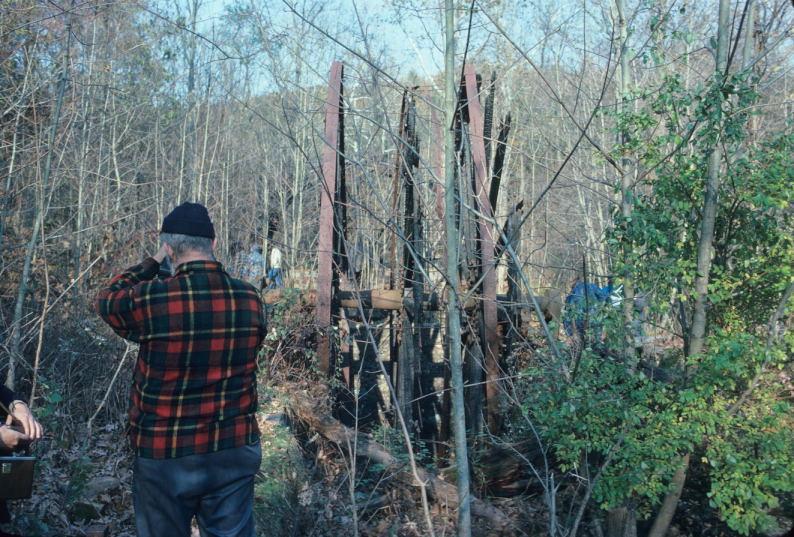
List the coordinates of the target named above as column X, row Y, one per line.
column 325, row 250
column 403, row 267
column 437, row 159
column 488, row 269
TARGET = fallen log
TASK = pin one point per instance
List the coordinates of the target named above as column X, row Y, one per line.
column 302, row 409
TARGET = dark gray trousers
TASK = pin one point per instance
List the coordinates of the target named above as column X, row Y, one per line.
column 217, row 488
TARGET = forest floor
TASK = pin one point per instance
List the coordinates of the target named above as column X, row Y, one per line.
column 87, row 488
column 302, row 488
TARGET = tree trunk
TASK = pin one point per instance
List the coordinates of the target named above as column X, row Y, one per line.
column 706, row 238
column 453, row 310
column 16, row 325
column 621, row 522
column 626, row 183
column 666, row 512
column 698, row 331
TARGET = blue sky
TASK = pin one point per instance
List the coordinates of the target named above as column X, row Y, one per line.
column 403, row 39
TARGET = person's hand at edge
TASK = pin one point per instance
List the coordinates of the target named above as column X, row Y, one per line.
column 10, row 438
column 30, row 426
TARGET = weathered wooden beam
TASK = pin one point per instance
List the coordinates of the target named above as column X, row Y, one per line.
column 551, row 304
column 379, row 299
column 488, row 123
column 407, row 356
column 325, row 249
column 511, row 231
column 375, row 299
column 489, row 310
column 395, row 267
column 370, row 396
column 399, row 164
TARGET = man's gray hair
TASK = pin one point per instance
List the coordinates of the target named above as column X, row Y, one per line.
column 182, row 244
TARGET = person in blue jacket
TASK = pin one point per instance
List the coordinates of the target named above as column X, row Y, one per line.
column 582, row 306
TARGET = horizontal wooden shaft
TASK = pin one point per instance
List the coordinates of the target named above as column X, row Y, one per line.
column 375, row 299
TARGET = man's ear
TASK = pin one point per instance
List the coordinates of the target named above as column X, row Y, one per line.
column 169, row 250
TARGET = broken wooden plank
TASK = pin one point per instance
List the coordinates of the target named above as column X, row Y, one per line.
column 499, row 162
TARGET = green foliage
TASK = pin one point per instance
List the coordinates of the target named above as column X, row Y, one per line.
column 727, row 400
column 607, row 412
column 750, row 452
column 729, row 395
column 79, row 473
column 754, row 249
column 750, row 459
column 48, row 405
column 643, row 427
column 290, row 334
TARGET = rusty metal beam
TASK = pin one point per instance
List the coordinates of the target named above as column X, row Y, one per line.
column 325, row 249
column 491, row 340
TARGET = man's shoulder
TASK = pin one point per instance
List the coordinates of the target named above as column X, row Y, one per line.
column 242, row 286
column 154, row 287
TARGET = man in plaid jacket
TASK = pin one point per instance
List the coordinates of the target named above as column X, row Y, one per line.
column 192, row 419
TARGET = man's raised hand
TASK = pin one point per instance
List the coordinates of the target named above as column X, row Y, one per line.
column 161, row 254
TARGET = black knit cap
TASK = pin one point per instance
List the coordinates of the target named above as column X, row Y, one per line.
column 189, row 219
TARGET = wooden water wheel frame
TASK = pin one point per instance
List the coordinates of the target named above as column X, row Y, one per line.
column 407, row 306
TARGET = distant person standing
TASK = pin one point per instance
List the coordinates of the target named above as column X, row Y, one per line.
column 192, row 420
column 275, row 278
column 253, row 269
column 583, row 307
column 275, row 274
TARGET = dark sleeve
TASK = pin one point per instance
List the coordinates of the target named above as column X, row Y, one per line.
column 262, row 319
column 6, row 398
column 119, row 303
column 6, row 395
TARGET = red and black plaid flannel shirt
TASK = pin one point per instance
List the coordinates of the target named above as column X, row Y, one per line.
column 194, row 386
